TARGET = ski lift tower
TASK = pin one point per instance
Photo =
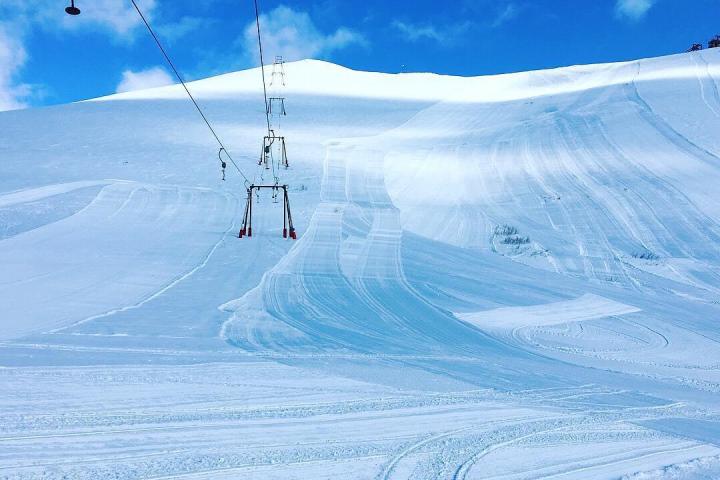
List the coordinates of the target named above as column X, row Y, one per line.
column 269, row 141
column 274, row 111
column 288, row 228
column 278, row 70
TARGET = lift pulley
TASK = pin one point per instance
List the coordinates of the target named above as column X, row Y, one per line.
column 223, row 165
column 72, row 9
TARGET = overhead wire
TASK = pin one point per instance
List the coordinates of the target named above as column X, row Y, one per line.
column 262, row 66
column 182, row 82
column 272, row 161
column 271, row 134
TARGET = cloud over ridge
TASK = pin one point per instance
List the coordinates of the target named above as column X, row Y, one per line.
column 294, row 35
column 633, row 9
column 142, row 79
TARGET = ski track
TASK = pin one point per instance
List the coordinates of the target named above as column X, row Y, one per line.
column 162, row 290
column 463, row 470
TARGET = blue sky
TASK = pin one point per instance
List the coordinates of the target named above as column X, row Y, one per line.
column 47, row 57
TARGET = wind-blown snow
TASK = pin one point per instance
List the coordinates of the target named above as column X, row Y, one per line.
column 513, row 276
column 587, row 307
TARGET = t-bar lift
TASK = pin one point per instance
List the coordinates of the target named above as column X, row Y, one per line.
column 288, row 229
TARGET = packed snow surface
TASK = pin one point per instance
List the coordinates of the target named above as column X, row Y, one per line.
column 513, row 276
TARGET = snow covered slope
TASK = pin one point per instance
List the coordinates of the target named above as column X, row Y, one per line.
column 514, row 276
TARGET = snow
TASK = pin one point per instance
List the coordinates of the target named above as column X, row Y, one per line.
column 52, row 272
column 587, row 307
column 512, row 276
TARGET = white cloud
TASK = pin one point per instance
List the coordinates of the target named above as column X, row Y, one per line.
column 633, row 9
column 295, row 36
column 12, row 58
column 507, row 13
column 115, row 17
column 149, row 78
column 414, row 32
column 172, row 32
column 446, row 34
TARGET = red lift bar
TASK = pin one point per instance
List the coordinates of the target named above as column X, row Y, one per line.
column 288, row 229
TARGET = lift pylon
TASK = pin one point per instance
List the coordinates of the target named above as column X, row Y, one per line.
column 268, row 142
column 278, row 70
column 276, row 106
column 288, row 229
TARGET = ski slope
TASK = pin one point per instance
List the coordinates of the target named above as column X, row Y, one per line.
column 513, row 276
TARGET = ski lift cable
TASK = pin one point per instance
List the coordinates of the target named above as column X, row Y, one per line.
column 177, row 74
column 270, row 133
column 262, row 66
column 274, row 173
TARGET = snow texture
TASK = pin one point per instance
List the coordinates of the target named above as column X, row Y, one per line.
column 513, row 276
